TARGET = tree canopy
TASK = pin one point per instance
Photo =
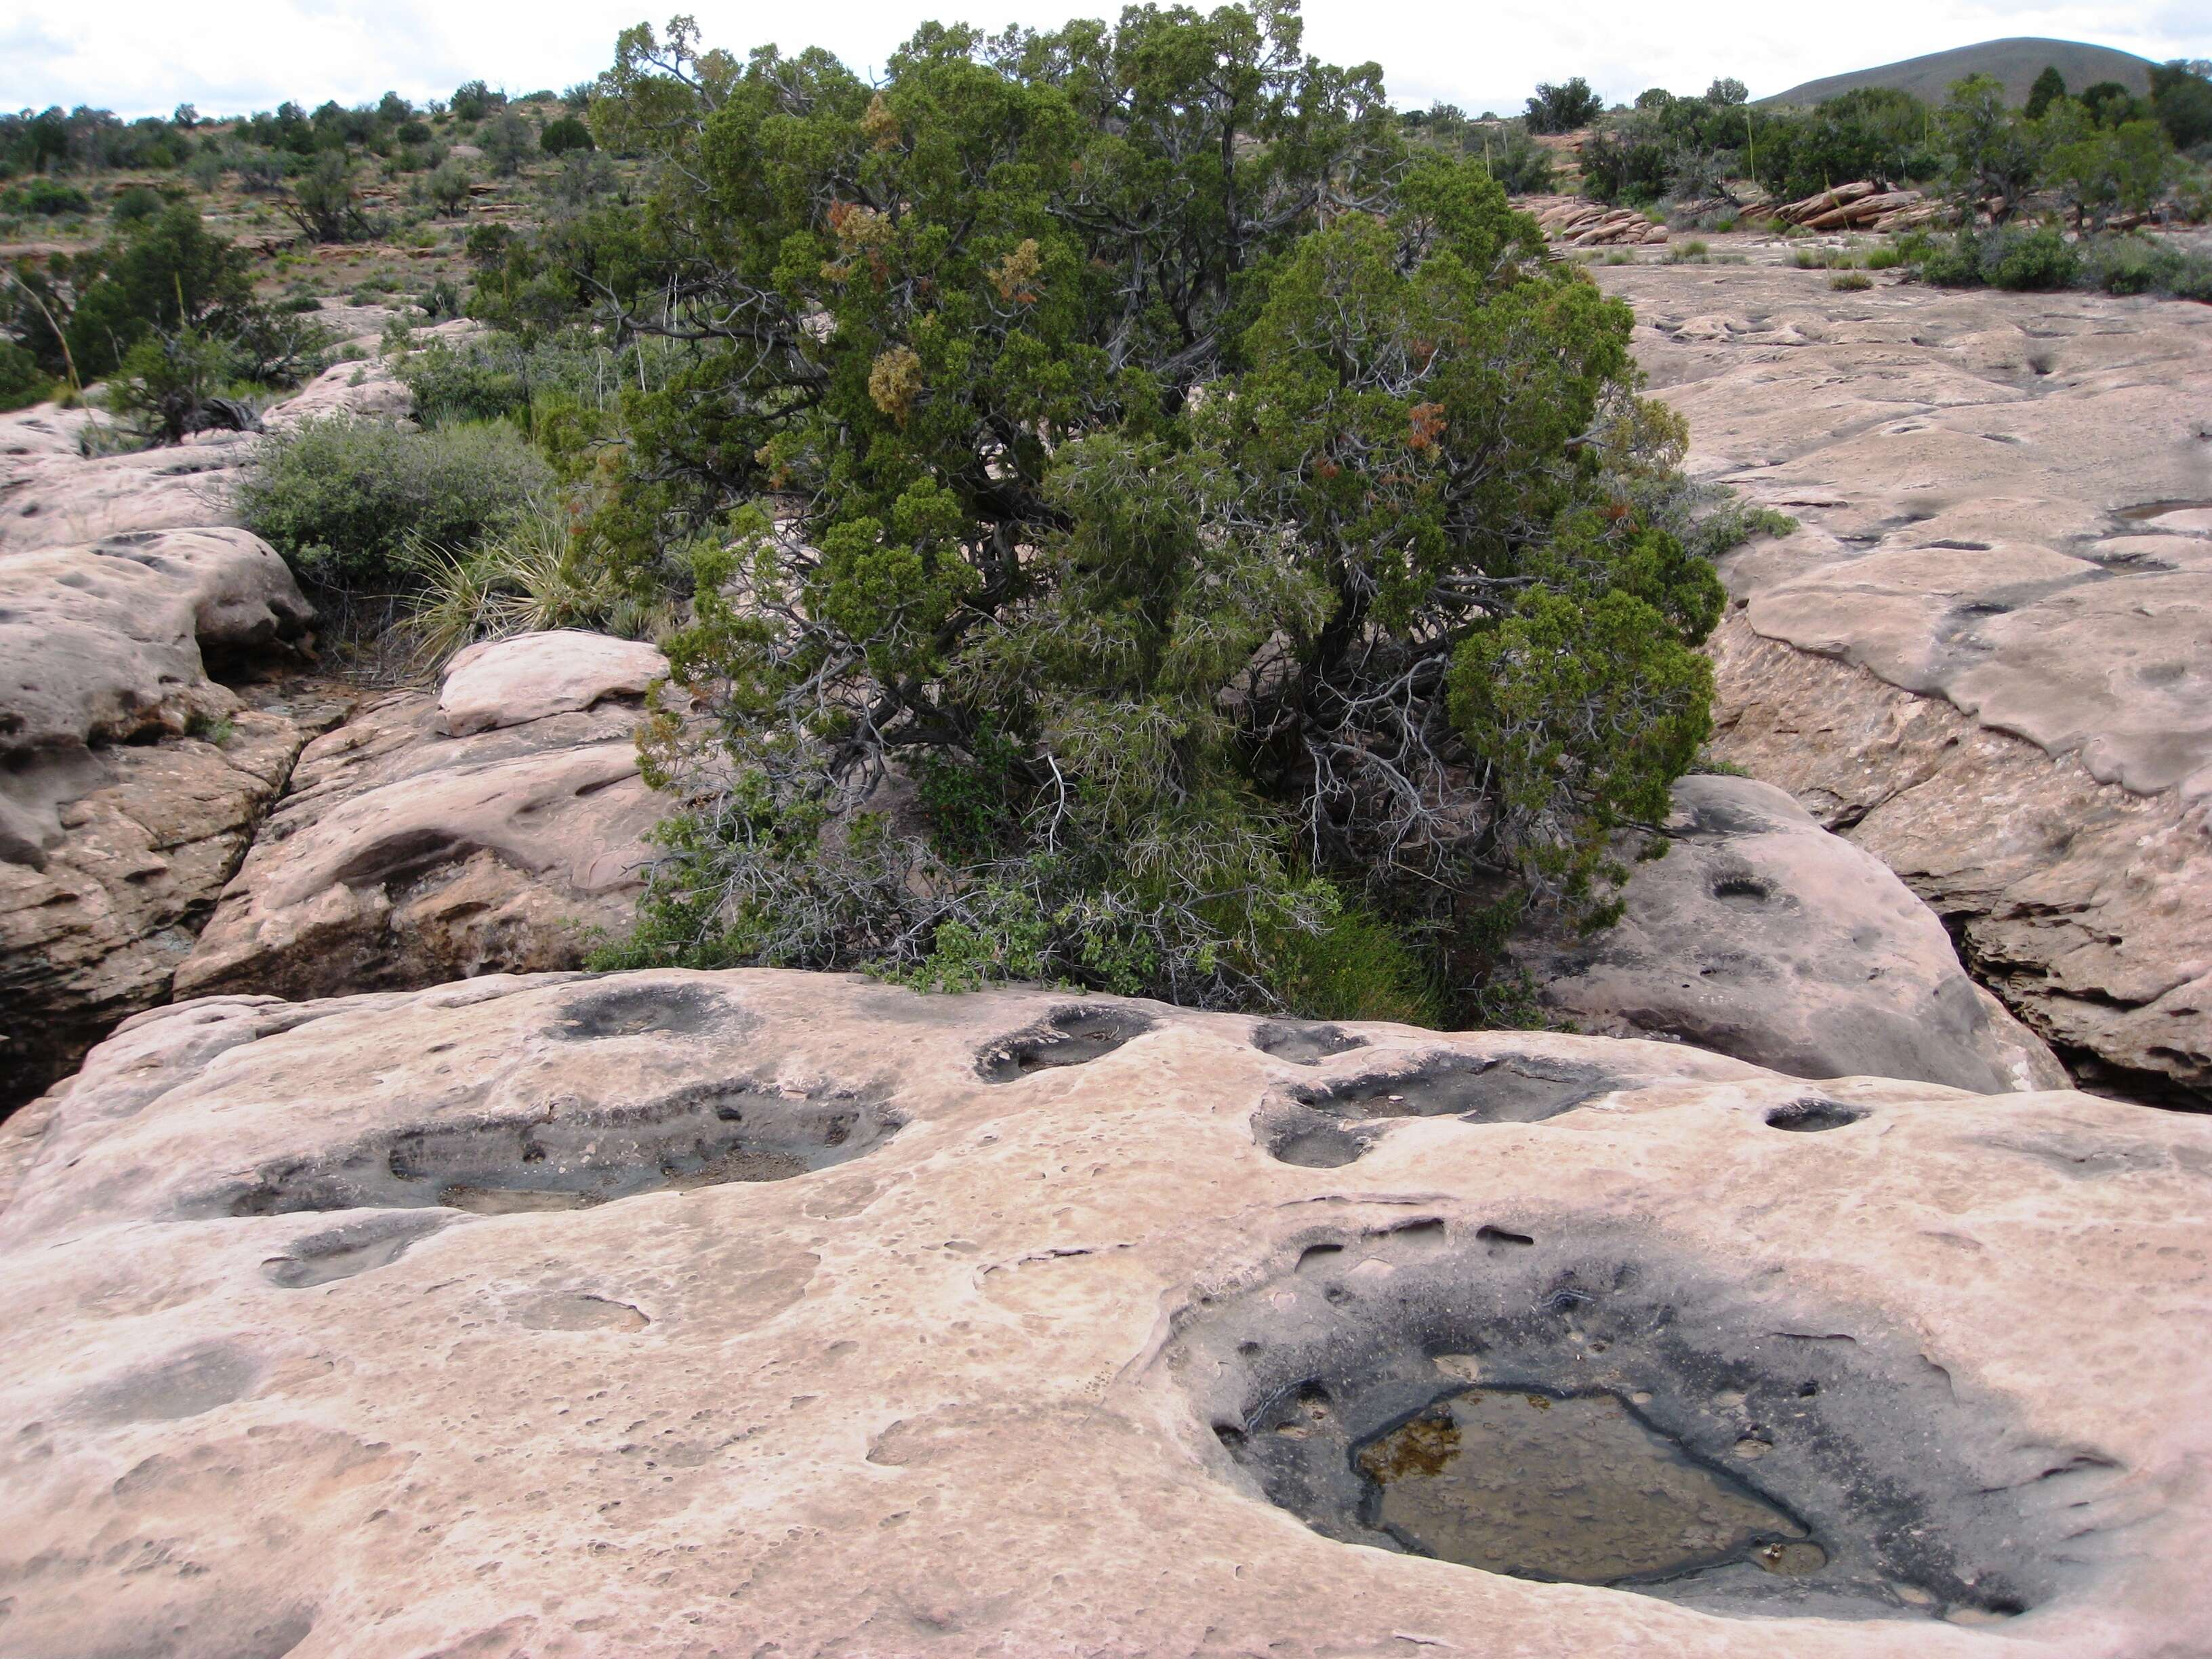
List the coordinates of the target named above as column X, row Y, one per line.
column 1147, row 527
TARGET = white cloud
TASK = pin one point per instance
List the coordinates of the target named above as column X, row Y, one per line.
column 140, row 56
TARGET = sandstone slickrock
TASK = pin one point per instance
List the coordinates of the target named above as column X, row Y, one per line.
column 1759, row 935
column 403, row 855
column 53, row 493
column 1993, row 667
column 129, row 780
column 759, row 1312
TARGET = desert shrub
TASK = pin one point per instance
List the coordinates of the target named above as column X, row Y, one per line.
column 473, row 101
column 49, row 199
column 1522, row 165
column 349, row 501
column 447, row 187
column 564, row 135
column 2140, row 264
column 2031, row 261
column 1883, row 258
column 1102, row 570
column 508, row 140
column 167, row 380
column 1563, row 108
column 139, row 202
column 168, row 272
column 1850, row 281
column 530, row 574
column 22, row 381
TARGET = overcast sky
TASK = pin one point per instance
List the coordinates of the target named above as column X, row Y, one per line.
column 145, row 57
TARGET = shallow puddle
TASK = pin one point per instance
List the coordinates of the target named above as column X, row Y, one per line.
column 1578, row 1489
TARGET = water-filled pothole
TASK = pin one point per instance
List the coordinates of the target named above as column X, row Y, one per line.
column 1564, row 1397
column 1304, row 1042
column 1812, row 1115
column 574, row 1157
column 1065, row 1037
column 1576, row 1488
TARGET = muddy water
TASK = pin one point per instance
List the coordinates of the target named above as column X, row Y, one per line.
column 1576, row 1489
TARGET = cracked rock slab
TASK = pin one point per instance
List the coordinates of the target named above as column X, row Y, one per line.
column 404, row 856
column 1055, row 1362
column 1760, row 934
column 1982, row 656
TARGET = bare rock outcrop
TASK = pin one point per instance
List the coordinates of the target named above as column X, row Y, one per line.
column 755, row 1312
column 131, row 778
column 498, row 825
column 1990, row 664
column 1761, row 935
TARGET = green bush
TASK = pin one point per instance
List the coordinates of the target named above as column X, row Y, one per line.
column 23, row 382
column 166, row 381
column 139, row 202
column 2035, row 261
column 1850, row 281
column 2142, row 265
column 565, row 135
column 47, row 197
column 349, row 502
column 1133, row 587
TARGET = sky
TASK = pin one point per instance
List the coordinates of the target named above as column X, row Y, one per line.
column 145, row 57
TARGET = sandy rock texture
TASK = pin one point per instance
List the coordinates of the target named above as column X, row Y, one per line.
column 130, row 777
column 497, row 825
column 1760, row 934
column 2004, row 567
column 53, row 493
column 757, row 1313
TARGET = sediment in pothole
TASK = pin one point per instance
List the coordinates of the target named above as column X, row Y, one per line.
column 1580, row 1403
column 963, row 1391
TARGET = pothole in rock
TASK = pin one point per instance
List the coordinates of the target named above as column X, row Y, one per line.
column 574, row 1158
column 357, row 1247
column 1065, row 1037
column 623, row 1011
column 1813, row 1115
column 1562, row 1399
column 1304, row 1042
column 1327, row 1126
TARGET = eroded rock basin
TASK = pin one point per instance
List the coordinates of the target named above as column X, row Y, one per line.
column 1558, row 1404
column 419, row 1324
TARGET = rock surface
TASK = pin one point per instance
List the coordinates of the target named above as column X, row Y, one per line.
column 131, row 781
column 1759, row 935
column 746, row 1313
column 404, row 856
column 1992, row 622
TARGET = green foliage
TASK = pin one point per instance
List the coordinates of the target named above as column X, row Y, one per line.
column 2006, row 256
column 564, row 135
column 2048, row 86
column 473, row 101
column 349, row 502
column 49, row 199
column 139, row 202
column 1995, row 152
column 166, row 381
column 165, row 273
column 322, row 203
column 525, row 576
column 1563, row 108
column 1146, row 530
column 508, row 140
column 2123, row 169
column 2181, row 99
column 22, row 381
column 2143, row 264
column 1850, row 281
column 447, row 187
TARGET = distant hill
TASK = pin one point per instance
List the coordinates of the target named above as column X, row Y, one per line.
column 2016, row 61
